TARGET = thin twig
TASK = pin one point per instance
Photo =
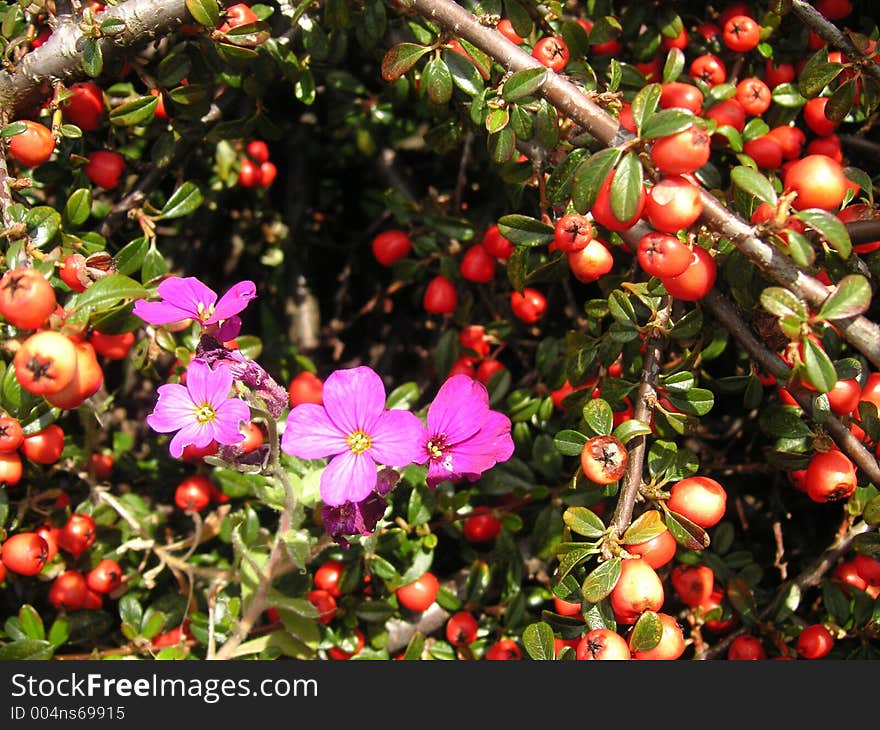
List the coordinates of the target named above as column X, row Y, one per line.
column 642, row 410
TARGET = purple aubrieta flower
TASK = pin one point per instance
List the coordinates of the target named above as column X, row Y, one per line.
column 189, row 298
column 354, row 427
column 464, row 438
column 201, row 410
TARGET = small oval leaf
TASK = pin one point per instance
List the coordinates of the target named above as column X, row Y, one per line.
column 598, row 584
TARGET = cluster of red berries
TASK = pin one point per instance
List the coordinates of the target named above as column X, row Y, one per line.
column 256, row 170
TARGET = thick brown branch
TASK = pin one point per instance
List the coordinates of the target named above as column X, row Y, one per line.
column 572, row 102
column 60, row 57
column 642, row 410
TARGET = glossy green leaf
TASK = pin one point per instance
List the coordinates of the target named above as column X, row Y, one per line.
column 523, row 83
column 598, row 584
column 742, row 598
column 674, row 65
column 109, row 291
column 547, row 125
column 26, row 649
column 629, row 429
column 247, row 36
column 496, row 120
column 138, row 111
column 667, row 122
column 583, row 521
column 646, row 526
column 43, row 224
column 841, row 102
column 112, row 27
column 131, row 257
column 78, row 206
column 521, row 230
column 851, row 297
column 685, row 532
column 558, row 187
column 646, row 633
column 12, row 129
column 569, row 442
column 754, row 183
column 403, row 397
column 92, row 58
column 819, row 368
column 502, row 145
column 830, row 227
column 464, row 74
column 437, row 81
column 817, row 73
column 783, row 303
column 204, row 12
column 599, row 416
column 589, row 177
column 627, row 187
column 696, row 401
column 538, row 641
column 645, row 104
column 571, row 559
column 182, row 202
column 31, row 623
column 788, row 96
column 401, row 58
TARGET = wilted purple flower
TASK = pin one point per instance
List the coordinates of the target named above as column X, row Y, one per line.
column 353, row 518
column 212, row 351
column 200, row 411
column 354, row 427
column 189, row 298
column 464, row 437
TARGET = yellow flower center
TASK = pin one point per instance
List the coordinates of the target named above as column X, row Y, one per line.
column 205, row 312
column 359, row 442
column 205, row 413
column 437, row 447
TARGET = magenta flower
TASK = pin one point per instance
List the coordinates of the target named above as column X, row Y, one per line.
column 201, row 410
column 464, row 437
column 189, row 298
column 354, row 427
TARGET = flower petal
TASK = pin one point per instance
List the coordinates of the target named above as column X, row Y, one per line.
column 187, row 293
column 398, row 439
column 354, row 399
column 230, row 416
column 202, row 382
column 159, row 313
column 195, row 433
column 233, row 301
column 438, row 472
column 459, row 408
column 229, row 330
column 491, row 445
column 349, row 477
column 310, row 434
column 174, row 409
